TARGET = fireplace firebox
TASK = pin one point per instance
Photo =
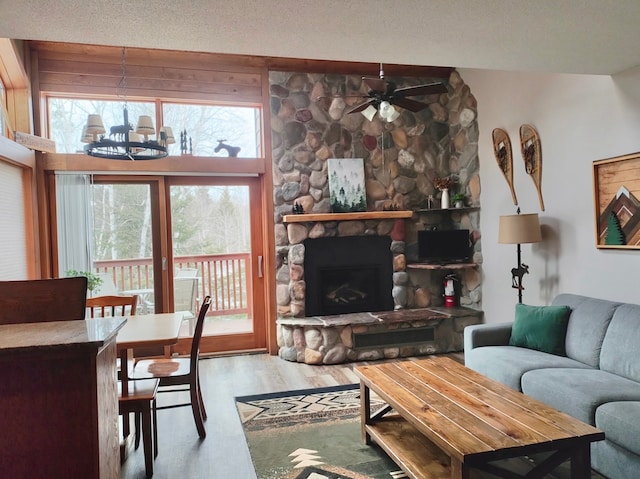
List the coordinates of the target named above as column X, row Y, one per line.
column 348, row 274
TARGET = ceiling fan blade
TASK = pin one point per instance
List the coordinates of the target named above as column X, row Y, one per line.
column 375, row 84
column 426, row 89
column 362, row 106
column 408, row 104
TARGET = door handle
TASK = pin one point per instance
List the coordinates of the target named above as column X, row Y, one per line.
column 260, row 267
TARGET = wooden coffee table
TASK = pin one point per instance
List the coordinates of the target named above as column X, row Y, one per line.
column 450, row 419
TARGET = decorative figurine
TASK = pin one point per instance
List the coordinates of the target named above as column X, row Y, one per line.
column 232, row 151
column 297, row 209
column 517, row 274
column 184, row 141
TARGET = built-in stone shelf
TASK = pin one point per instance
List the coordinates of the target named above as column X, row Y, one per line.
column 371, row 336
column 357, row 216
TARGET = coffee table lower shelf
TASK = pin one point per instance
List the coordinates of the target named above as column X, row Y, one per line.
column 418, row 457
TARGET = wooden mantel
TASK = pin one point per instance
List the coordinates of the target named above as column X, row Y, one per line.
column 358, row 216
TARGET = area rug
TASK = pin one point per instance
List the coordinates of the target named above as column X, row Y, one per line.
column 312, row 434
column 315, row 434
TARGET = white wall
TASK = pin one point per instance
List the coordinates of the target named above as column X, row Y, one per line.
column 580, row 119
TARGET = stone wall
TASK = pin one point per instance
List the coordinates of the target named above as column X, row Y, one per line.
column 401, row 161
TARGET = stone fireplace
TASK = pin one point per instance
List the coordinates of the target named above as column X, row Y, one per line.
column 401, row 160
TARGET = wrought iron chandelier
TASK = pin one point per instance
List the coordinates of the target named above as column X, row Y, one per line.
column 123, row 142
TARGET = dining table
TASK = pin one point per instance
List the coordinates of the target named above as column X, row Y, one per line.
column 146, row 330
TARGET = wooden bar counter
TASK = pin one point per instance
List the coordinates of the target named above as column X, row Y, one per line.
column 59, row 399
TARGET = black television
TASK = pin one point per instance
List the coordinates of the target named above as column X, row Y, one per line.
column 444, row 246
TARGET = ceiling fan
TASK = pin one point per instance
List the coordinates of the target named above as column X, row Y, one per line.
column 383, row 95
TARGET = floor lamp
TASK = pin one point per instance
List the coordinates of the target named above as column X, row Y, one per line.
column 518, row 229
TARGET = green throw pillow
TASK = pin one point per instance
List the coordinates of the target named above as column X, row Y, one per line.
column 540, row 327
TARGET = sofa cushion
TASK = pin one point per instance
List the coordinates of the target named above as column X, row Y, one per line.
column 542, row 328
column 620, row 422
column 587, row 326
column 578, row 392
column 507, row 364
column 620, row 348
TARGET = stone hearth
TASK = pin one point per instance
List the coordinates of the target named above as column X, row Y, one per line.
column 371, row 336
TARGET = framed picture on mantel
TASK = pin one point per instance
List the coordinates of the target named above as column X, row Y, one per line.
column 617, row 202
column 346, row 185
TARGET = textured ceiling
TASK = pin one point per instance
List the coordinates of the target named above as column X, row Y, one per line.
column 569, row 36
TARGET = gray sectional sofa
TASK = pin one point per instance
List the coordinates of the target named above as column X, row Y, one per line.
column 598, row 381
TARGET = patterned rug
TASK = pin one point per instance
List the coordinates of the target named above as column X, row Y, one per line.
column 315, row 434
column 312, row 434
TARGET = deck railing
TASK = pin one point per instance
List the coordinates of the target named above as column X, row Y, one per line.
column 222, row 276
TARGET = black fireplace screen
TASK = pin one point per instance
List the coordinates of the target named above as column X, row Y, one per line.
column 348, row 275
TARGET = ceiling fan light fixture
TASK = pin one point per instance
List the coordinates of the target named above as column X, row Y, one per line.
column 369, row 112
column 388, row 112
column 393, row 116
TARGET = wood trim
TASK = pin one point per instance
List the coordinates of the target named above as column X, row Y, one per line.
column 355, row 68
column 47, row 207
column 12, row 71
column 268, row 228
column 30, row 221
column 170, row 165
column 217, row 61
column 359, row 216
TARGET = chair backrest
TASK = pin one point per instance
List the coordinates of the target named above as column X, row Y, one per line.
column 186, row 273
column 41, row 300
column 185, row 293
column 197, row 333
column 103, row 306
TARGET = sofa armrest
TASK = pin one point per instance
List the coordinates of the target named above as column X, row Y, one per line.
column 478, row 335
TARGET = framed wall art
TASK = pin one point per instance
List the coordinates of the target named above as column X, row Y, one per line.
column 617, row 202
column 346, row 185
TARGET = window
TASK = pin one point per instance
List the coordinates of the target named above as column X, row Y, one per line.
column 68, row 116
column 202, row 125
column 206, row 125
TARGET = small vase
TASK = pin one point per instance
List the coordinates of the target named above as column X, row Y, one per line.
column 444, row 202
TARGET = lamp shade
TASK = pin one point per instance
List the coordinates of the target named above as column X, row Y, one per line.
column 86, row 137
column 95, row 125
column 145, row 126
column 518, row 229
column 369, row 112
column 393, row 115
column 166, row 135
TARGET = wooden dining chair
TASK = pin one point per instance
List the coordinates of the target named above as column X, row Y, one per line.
column 41, row 300
column 180, row 372
column 140, row 399
column 140, row 396
column 104, row 306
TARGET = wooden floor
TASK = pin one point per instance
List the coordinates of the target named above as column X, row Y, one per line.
column 224, row 453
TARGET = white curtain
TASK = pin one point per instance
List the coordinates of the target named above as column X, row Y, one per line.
column 75, row 222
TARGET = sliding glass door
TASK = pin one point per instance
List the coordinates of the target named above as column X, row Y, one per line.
column 173, row 241
column 216, row 251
